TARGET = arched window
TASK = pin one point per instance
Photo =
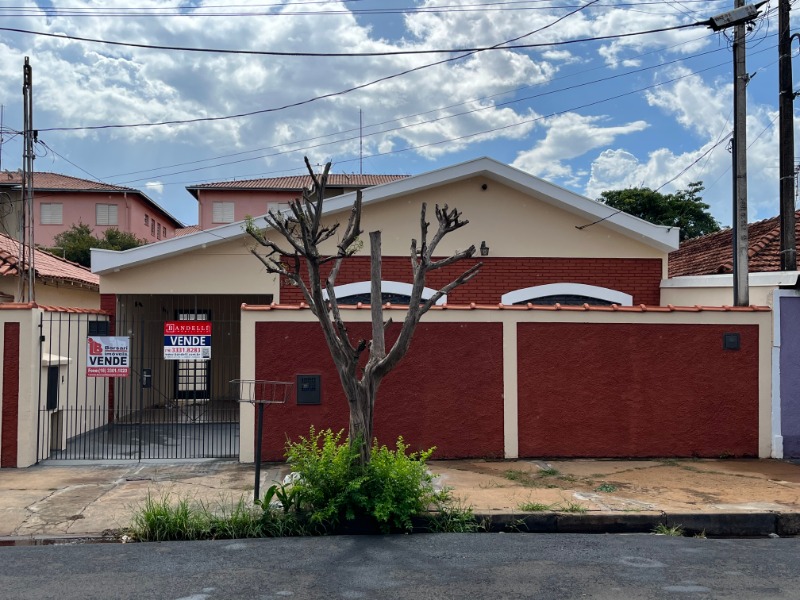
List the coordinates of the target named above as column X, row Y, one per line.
column 391, row 291
column 568, row 294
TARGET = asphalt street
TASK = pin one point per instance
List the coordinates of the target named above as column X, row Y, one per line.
column 410, row 566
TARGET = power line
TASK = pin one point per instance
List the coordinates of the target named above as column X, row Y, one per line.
column 502, row 46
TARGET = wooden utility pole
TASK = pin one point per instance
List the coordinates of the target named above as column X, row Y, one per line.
column 27, row 270
column 786, row 130
column 740, row 242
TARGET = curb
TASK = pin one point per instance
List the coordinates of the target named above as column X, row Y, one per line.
column 713, row 524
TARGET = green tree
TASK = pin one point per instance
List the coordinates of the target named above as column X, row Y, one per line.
column 684, row 208
column 75, row 243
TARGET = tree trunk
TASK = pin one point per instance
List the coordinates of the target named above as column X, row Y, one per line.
column 362, row 403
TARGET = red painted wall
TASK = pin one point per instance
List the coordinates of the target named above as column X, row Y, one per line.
column 639, row 277
column 447, row 392
column 625, row 390
column 8, row 448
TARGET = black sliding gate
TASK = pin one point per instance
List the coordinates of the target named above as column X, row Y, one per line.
column 164, row 409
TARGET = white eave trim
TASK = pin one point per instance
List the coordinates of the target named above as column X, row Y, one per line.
column 387, row 287
column 567, row 289
column 764, row 279
column 587, row 212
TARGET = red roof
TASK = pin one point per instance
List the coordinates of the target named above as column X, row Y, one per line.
column 186, row 230
column 49, row 267
column 56, row 181
column 300, row 182
column 713, row 253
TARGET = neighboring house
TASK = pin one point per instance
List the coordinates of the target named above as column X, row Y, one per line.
column 61, row 201
column 700, row 271
column 59, row 282
column 230, row 201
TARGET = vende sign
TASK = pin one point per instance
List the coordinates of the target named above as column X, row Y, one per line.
column 107, row 356
column 187, row 340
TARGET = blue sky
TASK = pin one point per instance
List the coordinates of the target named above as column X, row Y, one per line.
column 647, row 110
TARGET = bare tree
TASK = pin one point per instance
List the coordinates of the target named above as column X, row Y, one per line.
column 302, row 229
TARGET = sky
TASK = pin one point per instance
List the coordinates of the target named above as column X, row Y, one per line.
column 645, row 110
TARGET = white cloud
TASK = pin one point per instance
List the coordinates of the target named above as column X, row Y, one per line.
column 156, row 187
column 569, row 136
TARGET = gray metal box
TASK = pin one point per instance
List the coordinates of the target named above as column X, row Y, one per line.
column 309, row 389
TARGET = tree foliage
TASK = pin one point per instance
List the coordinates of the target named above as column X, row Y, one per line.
column 300, row 258
column 684, row 208
column 75, row 243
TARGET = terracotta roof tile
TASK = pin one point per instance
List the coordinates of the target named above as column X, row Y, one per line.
column 56, row 181
column 187, row 230
column 301, row 182
column 713, row 253
column 557, row 307
column 48, row 266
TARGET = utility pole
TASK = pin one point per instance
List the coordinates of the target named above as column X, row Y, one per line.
column 786, row 130
column 27, row 270
column 741, row 290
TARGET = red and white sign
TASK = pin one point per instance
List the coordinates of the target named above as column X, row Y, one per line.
column 187, row 340
column 108, row 356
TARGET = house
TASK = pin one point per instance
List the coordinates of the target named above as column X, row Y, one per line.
column 701, row 270
column 560, row 346
column 230, row 201
column 58, row 282
column 61, row 201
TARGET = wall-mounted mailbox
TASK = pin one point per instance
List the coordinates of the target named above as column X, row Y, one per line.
column 731, row 341
column 309, row 389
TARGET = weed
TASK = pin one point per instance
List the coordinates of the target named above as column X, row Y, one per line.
column 572, row 507
column 452, row 516
column 549, row 472
column 515, row 475
column 662, row 529
column 606, row 488
column 701, row 535
column 534, row 507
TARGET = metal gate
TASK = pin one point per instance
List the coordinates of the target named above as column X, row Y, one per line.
column 165, row 409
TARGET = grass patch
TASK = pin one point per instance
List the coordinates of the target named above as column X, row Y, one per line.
column 549, row 472
column 674, row 530
column 572, row 507
column 535, row 507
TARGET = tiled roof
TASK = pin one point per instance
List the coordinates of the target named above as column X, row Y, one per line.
column 47, row 308
column 641, row 308
column 56, row 181
column 49, row 267
column 713, row 253
column 185, row 230
column 301, row 182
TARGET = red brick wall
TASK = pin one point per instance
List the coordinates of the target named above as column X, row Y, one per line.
column 447, row 392
column 8, row 448
column 625, row 390
column 639, row 277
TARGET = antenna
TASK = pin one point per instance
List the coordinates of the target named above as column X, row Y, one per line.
column 360, row 143
column 2, row 108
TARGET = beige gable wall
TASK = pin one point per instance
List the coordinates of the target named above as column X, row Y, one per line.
column 512, row 224
column 226, row 268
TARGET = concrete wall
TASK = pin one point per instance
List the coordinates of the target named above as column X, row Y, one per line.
column 574, row 382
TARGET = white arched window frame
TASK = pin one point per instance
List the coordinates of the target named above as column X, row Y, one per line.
column 387, row 287
column 567, row 289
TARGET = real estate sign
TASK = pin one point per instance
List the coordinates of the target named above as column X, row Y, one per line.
column 108, row 356
column 187, row 340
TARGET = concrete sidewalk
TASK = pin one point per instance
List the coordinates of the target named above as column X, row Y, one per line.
column 722, row 497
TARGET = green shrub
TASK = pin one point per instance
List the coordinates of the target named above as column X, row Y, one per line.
column 333, row 487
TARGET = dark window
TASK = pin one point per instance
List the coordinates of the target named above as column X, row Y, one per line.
column 566, row 300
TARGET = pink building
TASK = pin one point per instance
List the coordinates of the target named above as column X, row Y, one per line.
column 61, row 201
column 231, row 201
